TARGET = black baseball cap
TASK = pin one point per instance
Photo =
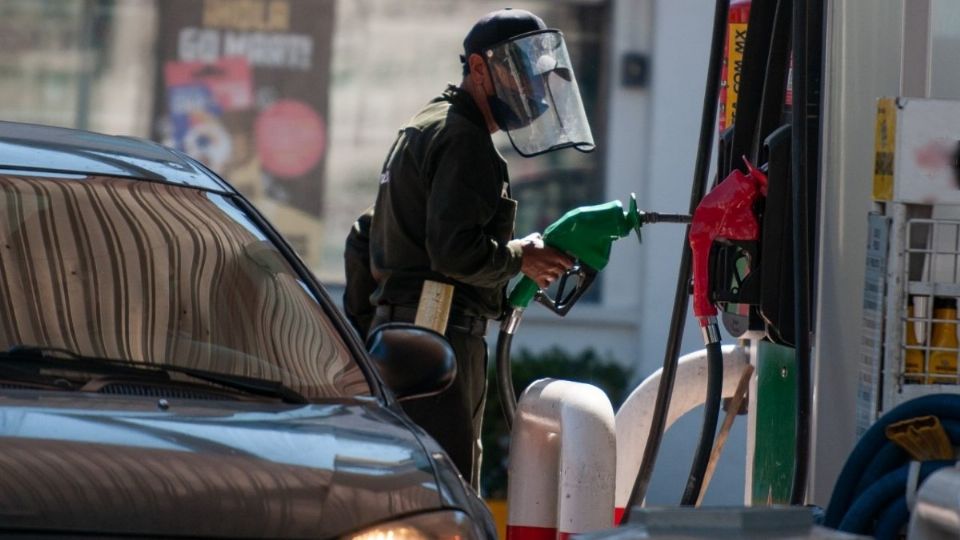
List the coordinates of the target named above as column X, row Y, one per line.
column 499, row 26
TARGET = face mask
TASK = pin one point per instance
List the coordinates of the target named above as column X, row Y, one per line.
column 508, row 119
column 537, row 100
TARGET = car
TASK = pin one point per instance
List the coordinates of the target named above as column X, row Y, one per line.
column 170, row 368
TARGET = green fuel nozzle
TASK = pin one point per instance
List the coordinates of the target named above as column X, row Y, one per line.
column 586, row 234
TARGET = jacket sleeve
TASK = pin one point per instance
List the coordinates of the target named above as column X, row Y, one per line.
column 360, row 284
column 464, row 205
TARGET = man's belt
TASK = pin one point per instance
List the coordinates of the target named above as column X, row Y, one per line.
column 475, row 326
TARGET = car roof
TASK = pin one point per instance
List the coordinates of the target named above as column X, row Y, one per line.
column 39, row 149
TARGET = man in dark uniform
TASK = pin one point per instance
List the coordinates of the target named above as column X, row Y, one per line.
column 444, row 213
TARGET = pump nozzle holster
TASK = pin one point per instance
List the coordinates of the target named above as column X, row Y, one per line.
column 725, row 215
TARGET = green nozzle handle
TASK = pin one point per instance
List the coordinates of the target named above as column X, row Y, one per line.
column 585, row 233
column 523, row 293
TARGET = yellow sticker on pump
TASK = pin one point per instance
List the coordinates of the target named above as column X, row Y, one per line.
column 736, row 41
column 884, row 149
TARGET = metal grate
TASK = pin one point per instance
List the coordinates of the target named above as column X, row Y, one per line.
column 147, row 390
column 931, row 271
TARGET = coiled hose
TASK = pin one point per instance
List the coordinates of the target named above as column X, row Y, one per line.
column 872, row 475
column 882, row 500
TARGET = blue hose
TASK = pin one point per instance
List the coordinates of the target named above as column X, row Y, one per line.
column 945, row 406
column 869, row 505
column 892, row 520
column 890, row 456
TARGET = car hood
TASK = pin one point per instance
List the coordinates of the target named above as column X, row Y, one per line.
column 82, row 463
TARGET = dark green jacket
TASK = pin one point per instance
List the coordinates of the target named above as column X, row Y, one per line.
column 359, row 279
column 443, row 211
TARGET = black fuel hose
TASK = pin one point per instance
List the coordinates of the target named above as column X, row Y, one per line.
column 708, row 430
column 681, row 298
column 804, row 113
column 508, row 397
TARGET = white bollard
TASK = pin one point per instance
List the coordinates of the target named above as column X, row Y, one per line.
column 562, row 462
column 689, row 391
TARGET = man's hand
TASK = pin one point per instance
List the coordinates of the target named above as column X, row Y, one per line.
column 541, row 263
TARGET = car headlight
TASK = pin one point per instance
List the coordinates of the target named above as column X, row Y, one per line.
column 446, row 525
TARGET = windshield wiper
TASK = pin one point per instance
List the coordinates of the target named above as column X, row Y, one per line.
column 247, row 384
column 65, row 359
column 37, row 357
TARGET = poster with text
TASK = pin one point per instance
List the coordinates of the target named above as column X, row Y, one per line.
column 243, row 87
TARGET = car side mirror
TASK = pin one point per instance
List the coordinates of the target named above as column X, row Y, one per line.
column 413, row 361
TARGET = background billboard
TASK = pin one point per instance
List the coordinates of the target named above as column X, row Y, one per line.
column 242, row 86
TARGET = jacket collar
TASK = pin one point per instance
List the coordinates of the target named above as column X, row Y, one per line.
column 464, row 104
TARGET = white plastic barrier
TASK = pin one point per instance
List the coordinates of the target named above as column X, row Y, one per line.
column 689, row 391
column 562, row 462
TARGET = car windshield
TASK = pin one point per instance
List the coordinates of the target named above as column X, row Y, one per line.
column 161, row 274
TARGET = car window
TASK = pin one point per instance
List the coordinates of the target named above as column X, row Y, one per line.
column 161, row 274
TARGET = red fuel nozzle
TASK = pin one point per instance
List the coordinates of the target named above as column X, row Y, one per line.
column 726, row 213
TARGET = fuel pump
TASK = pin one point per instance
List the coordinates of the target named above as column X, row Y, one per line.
column 724, row 226
column 586, row 234
column 751, row 254
column 739, row 221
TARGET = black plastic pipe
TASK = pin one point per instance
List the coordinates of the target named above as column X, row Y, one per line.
column 708, row 430
column 508, row 396
column 681, row 296
column 801, row 255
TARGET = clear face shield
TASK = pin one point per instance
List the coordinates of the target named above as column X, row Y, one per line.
column 537, row 99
